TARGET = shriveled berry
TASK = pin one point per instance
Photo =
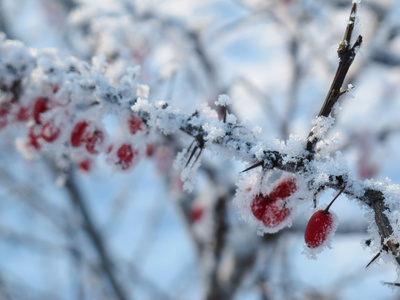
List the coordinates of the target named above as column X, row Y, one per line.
column 85, row 165
column 55, row 88
column 149, row 150
column 318, row 228
column 4, row 110
column 135, row 124
column 258, row 205
column 33, row 139
column 196, row 213
column 284, row 189
column 109, row 148
column 274, row 214
column 94, row 141
column 50, row 132
column 41, row 106
column 78, row 135
column 125, row 155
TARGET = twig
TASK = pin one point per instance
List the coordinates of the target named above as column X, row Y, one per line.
column 94, row 236
column 346, row 54
column 215, row 290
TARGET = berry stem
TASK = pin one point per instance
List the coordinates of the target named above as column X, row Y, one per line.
column 326, row 210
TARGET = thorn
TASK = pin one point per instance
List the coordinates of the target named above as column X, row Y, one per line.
column 391, row 283
column 201, row 150
column 357, row 43
column 191, row 155
column 373, row 259
column 224, row 112
column 261, row 163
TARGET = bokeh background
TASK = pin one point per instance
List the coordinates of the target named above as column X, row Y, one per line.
column 137, row 234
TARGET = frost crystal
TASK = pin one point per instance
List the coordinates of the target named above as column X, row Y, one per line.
column 223, row 100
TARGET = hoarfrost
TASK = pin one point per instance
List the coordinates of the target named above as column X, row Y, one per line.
column 223, row 100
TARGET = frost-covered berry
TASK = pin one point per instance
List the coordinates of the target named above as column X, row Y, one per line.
column 135, row 124
column 23, row 114
column 94, row 141
column 318, row 228
column 49, row 132
column 268, row 209
column 321, row 225
column 284, row 189
column 125, row 155
column 275, row 213
column 259, row 204
column 78, row 135
column 41, row 106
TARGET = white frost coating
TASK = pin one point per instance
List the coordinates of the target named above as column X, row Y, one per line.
column 257, row 132
column 250, row 185
column 100, row 62
column 223, row 100
column 294, row 148
column 311, row 253
column 231, row 119
column 188, row 173
column 213, row 131
column 321, row 125
column 255, row 183
column 143, row 91
column 391, row 193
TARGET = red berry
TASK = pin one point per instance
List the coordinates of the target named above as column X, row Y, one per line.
column 196, row 214
column 284, row 189
column 149, row 150
column 49, row 132
column 78, row 135
column 23, row 114
column 85, row 165
column 275, row 214
column 33, row 139
column 318, row 228
column 94, row 140
column 41, row 106
column 259, row 204
column 125, row 155
column 135, row 124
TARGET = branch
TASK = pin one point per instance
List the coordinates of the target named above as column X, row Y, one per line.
column 81, row 85
column 94, row 236
column 346, row 54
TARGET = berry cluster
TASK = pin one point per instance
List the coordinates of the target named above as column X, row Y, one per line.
column 47, row 123
column 271, row 209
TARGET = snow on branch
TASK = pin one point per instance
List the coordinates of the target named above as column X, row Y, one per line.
column 62, row 103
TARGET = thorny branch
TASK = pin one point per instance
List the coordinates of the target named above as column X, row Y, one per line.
column 269, row 160
column 346, row 54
